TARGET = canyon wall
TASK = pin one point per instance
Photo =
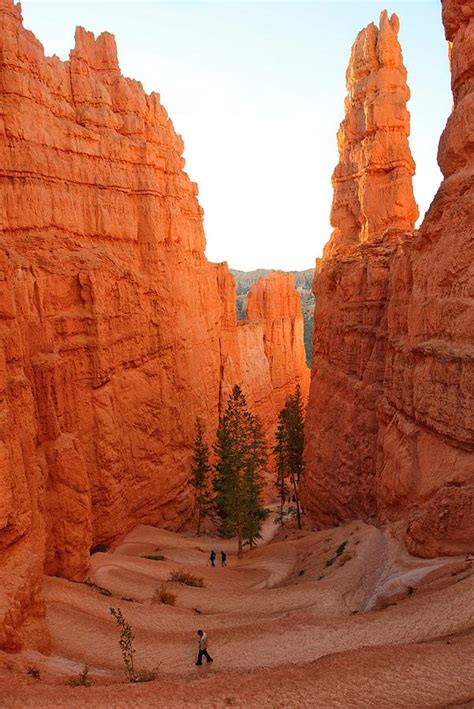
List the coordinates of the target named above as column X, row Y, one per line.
column 390, row 416
column 274, row 302
column 373, row 205
column 115, row 332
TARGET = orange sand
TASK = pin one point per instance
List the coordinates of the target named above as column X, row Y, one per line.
column 280, row 637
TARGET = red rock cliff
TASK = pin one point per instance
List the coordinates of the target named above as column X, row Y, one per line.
column 373, row 204
column 115, row 332
column 274, row 302
column 390, row 423
column 425, row 470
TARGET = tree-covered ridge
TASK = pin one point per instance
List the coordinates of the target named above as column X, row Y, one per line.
column 303, row 282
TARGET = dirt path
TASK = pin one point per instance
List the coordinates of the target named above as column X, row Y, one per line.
column 283, row 607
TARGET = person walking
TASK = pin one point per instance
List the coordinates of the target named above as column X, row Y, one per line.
column 202, row 652
column 212, row 557
column 223, row 558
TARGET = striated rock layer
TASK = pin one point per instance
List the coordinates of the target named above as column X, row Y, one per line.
column 115, row 332
column 373, row 205
column 274, row 302
column 390, row 427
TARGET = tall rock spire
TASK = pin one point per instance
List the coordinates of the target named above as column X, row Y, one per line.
column 373, row 180
column 373, row 207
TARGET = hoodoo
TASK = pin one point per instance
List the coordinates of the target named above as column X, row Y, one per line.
column 390, row 422
column 373, row 207
column 115, row 331
column 274, row 302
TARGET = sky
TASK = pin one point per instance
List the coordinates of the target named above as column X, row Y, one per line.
column 256, row 89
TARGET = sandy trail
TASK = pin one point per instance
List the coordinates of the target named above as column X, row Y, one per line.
column 275, row 615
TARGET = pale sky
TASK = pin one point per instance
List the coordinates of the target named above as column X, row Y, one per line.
column 256, row 89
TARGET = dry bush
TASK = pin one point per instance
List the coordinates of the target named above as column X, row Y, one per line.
column 162, row 595
column 33, row 672
column 82, row 679
column 186, row 578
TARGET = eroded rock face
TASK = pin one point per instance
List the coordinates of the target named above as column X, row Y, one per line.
column 425, row 471
column 390, row 422
column 372, row 206
column 274, row 302
column 115, row 332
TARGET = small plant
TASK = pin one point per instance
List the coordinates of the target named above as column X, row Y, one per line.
column 82, row 679
column 153, row 558
column 146, row 675
column 95, row 587
column 98, row 548
column 125, row 642
column 410, row 590
column 186, row 578
column 162, row 595
column 340, row 548
column 33, row 672
column 128, row 651
column 330, row 562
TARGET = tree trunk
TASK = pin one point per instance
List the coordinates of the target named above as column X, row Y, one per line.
column 199, row 521
column 239, row 542
column 298, row 511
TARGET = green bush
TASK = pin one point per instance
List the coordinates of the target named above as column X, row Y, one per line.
column 153, row 558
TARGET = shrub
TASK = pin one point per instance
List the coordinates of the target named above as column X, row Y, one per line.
column 82, row 679
column 125, row 642
column 162, row 595
column 341, row 548
column 153, row 558
column 410, row 590
column 146, row 675
column 95, row 587
column 128, row 651
column 33, row 672
column 186, row 578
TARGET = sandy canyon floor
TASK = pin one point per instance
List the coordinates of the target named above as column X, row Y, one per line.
column 287, row 626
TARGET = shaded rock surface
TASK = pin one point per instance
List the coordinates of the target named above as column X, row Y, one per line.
column 115, row 332
column 390, row 427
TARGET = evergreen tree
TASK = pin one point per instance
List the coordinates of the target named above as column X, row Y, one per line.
column 289, row 449
column 241, row 457
column 200, row 474
column 281, row 463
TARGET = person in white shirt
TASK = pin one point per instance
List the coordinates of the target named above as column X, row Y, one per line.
column 203, row 648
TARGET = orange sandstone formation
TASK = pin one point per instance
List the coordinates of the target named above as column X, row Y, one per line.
column 373, row 203
column 115, row 332
column 390, row 423
column 425, row 468
column 274, row 302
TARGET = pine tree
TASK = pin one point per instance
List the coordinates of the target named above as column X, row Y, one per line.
column 200, row 474
column 255, row 513
column 280, row 452
column 241, row 456
column 289, row 449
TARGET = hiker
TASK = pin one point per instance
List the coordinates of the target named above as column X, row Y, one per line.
column 223, row 558
column 203, row 648
column 212, row 557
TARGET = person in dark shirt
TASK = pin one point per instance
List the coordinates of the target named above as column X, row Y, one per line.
column 212, row 557
column 223, row 558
